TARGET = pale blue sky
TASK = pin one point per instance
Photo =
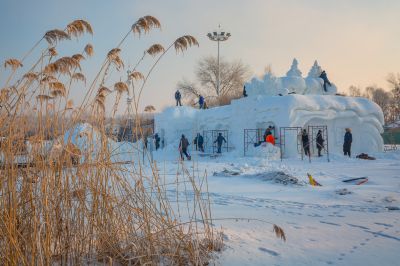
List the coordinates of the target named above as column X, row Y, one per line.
column 356, row 41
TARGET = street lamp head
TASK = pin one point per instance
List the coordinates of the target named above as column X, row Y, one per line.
column 219, row 35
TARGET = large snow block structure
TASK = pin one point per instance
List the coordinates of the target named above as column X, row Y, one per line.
column 364, row 117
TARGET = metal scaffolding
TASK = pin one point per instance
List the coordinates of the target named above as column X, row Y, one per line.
column 312, row 132
column 283, row 131
column 210, row 137
column 255, row 137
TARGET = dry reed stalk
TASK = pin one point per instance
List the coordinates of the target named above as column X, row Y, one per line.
column 63, row 197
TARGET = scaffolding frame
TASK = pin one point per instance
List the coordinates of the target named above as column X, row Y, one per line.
column 312, row 133
column 282, row 138
column 210, row 137
column 251, row 136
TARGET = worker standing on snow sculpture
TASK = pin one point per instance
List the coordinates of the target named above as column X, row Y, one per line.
column 178, row 98
column 348, row 139
column 325, row 79
column 219, row 141
column 244, row 91
column 201, row 101
column 320, row 142
column 306, row 142
column 183, row 145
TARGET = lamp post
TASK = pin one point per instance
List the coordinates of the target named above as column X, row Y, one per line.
column 218, row 36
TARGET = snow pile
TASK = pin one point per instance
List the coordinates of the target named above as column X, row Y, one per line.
column 89, row 141
column 293, row 82
column 265, row 150
column 364, row 117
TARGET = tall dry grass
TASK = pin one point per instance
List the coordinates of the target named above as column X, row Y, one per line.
column 70, row 202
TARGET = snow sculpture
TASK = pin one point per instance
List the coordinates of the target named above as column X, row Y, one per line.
column 364, row 117
column 314, row 83
column 293, row 82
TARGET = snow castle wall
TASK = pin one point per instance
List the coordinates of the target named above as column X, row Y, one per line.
column 364, row 117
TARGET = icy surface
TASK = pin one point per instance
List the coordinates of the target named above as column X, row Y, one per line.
column 322, row 226
column 335, row 224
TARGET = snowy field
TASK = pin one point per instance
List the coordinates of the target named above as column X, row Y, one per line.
column 335, row 224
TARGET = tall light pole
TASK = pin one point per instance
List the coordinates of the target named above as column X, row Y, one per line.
column 218, row 36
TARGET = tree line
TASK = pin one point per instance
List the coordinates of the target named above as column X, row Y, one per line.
column 388, row 100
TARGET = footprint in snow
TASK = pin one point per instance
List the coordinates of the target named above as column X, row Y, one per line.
column 270, row 252
column 324, row 222
column 383, row 224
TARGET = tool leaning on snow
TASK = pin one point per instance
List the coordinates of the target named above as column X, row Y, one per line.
column 312, row 181
column 357, row 180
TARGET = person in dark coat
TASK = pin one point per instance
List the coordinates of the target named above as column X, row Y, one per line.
column 348, row 139
column 325, row 79
column 200, row 141
column 219, row 141
column 320, row 142
column 201, row 101
column 267, row 132
column 178, row 98
column 183, row 145
column 244, row 91
column 157, row 141
column 306, row 142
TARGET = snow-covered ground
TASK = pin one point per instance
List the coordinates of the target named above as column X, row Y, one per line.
column 322, row 226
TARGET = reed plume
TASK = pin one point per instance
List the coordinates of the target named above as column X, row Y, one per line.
column 64, row 65
column 56, row 35
column 104, row 90
column 155, row 49
column 30, row 76
column 78, row 57
column 113, row 57
column 79, row 76
column 121, row 87
column 88, row 50
column 13, row 63
column 184, row 42
column 145, row 24
column 79, row 27
column 53, row 51
column 64, row 197
column 136, row 75
column 57, row 89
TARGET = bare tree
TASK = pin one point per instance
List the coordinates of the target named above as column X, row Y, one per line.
column 354, row 91
column 233, row 74
column 382, row 98
column 232, row 77
column 394, row 83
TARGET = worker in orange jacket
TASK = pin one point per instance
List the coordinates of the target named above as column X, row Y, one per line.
column 270, row 138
